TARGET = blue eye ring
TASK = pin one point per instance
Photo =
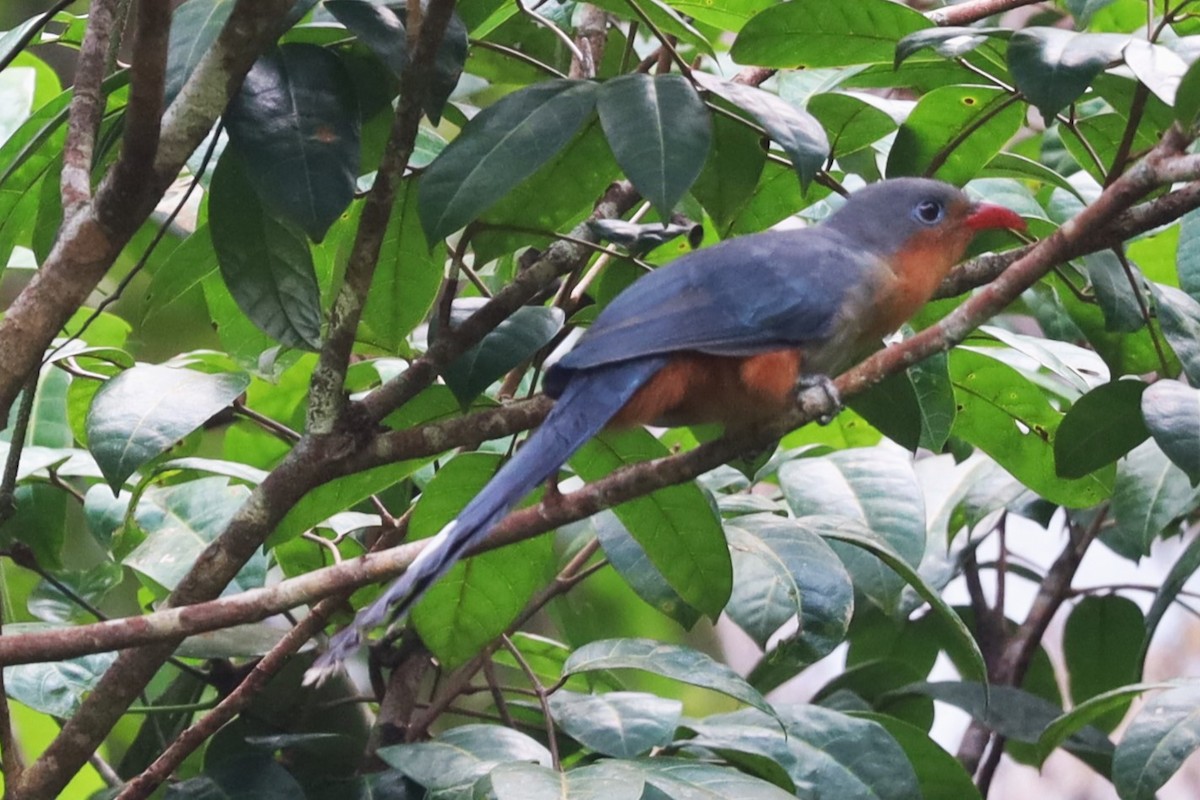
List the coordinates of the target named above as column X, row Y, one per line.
column 929, row 212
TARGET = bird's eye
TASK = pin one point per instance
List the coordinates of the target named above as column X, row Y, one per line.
column 929, row 212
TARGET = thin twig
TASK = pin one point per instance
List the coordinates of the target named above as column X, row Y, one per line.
column 543, row 700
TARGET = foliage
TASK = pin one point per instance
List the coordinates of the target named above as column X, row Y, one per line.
column 197, row 395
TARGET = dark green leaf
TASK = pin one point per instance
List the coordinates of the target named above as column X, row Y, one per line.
column 1159, row 739
column 1187, row 254
column 505, row 347
column 1187, row 97
column 816, row 33
column 1172, row 413
column 1081, row 715
column 265, row 262
column 1082, row 10
column 796, row 131
column 939, row 774
column 1053, row 67
column 953, row 132
column 194, row 27
column 961, row 643
column 731, row 172
column 692, row 780
column 1101, row 642
column 669, row 660
column 947, row 42
column 1179, row 315
column 295, row 124
column 1181, row 571
column 1149, row 494
column 144, row 411
column 499, row 148
column 659, row 131
column 1115, row 291
column 49, row 603
column 676, row 525
column 1100, row 427
column 1013, row 713
column 479, row 596
column 618, row 724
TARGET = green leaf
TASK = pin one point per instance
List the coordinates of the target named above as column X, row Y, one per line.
column 182, row 520
column 144, row 411
column 939, row 774
column 664, row 18
column 502, row 146
column 1118, row 298
column 961, row 643
column 519, row 781
column 797, row 132
column 295, row 123
column 265, row 262
column 731, row 172
column 851, row 122
column 381, row 28
column 823, row 750
column 871, row 486
column 1013, row 713
column 49, row 603
column 782, row 569
column 659, row 130
column 406, row 279
column 1181, row 571
column 947, row 42
column 953, row 132
column 252, row 775
column 692, row 780
column 1004, row 414
column 669, row 660
column 1077, row 718
column 1159, row 739
column 675, row 525
column 1150, row 493
column 1082, row 10
column 478, row 598
column 194, row 27
column 618, row 724
column 1179, row 316
column 1157, row 67
column 1187, row 254
column 462, row 755
column 1187, row 97
column 504, row 348
column 1172, row 413
column 816, row 33
column 1101, row 642
column 56, row 688
column 1100, row 427
column 629, row 560
column 1053, row 67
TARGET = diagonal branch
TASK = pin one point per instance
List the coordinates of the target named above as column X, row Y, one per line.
column 87, row 107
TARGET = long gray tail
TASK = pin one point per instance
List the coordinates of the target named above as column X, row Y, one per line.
column 586, row 405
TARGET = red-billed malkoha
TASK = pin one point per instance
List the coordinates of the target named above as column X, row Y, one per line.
column 723, row 334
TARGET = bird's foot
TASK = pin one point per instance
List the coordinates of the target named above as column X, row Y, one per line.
column 816, row 393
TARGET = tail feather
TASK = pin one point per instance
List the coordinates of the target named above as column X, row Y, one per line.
column 586, row 405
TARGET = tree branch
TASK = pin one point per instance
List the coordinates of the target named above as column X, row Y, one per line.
column 974, row 10
column 87, row 108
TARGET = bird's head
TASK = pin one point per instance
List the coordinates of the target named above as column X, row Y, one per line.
column 918, row 218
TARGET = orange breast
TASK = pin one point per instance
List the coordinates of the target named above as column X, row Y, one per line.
column 695, row 388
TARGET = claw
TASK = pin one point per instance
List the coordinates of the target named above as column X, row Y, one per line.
column 828, row 396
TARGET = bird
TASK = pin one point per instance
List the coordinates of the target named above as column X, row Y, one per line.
column 725, row 334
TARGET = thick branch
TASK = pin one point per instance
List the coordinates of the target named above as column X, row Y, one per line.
column 974, row 10
column 87, row 107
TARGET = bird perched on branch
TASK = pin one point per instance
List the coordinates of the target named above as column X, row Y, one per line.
column 726, row 334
